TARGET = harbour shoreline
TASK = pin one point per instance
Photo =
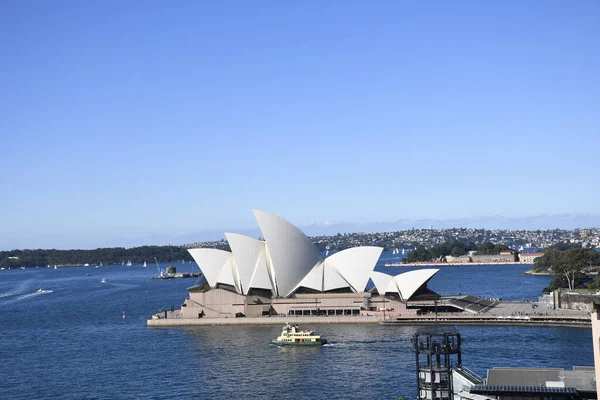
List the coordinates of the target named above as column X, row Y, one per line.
column 581, row 322
column 451, row 264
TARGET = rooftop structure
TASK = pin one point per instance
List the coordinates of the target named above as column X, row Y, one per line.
column 549, row 383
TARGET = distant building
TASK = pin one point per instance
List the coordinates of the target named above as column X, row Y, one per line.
column 503, row 257
column 459, row 259
column 529, row 258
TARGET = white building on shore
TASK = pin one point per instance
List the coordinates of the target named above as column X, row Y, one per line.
column 286, row 274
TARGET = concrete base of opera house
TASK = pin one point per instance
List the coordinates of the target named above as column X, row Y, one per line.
column 443, row 319
column 276, row 320
column 225, row 304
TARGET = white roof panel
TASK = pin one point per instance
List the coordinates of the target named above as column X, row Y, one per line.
column 381, row 281
column 228, row 274
column 292, row 253
column 211, row 262
column 246, row 251
column 408, row 282
column 356, row 264
column 314, row 279
column 260, row 278
column 333, row 279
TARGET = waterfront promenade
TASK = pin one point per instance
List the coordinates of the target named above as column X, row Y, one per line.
column 503, row 313
column 450, row 264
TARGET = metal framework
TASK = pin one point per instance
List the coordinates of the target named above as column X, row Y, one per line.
column 436, row 354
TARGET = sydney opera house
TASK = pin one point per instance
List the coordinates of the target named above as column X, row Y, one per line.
column 286, row 274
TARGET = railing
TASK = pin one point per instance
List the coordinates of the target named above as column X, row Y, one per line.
column 469, row 374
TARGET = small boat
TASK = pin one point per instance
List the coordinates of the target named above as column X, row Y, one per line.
column 293, row 336
column 23, row 268
column 103, row 280
column 88, row 274
column 145, row 264
column 129, row 263
column 55, row 267
column 44, row 291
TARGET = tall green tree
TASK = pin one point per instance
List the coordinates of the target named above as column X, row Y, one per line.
column 570, row 264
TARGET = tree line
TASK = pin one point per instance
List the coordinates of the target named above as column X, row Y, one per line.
column 106, row 256
column 454, row 248
column 570, row 264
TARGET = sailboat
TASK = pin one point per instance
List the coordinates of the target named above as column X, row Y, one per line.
column 123, row 263
column 129, row 263
column 145, row 264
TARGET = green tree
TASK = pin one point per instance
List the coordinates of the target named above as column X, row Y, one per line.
column 570, row 264
column 547, row 261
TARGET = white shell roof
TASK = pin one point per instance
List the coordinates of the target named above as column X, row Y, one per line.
column 381, row 281
column 261, row 278
column 333, row 279
column 212, row 263
column 249, row 255
column 314, row 279
column 228, row 274
column 323, row 278
column 407, row 283
column 355, row 264
column 292, row 253
column 286, row 260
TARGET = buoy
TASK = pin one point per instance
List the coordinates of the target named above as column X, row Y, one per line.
column 123, row 314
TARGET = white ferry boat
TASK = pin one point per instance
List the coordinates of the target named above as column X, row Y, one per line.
column 293, row 336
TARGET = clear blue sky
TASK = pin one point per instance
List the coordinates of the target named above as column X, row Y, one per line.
column 131, row 120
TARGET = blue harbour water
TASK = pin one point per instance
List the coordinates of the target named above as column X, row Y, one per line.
column 73, row 343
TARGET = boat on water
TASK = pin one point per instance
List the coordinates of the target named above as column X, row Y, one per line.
column 44, row 291
column 103, row 280
column 293, row 336
column 145, row 264
column 129, row 263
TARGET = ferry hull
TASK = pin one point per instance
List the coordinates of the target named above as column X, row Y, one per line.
column 298, row 344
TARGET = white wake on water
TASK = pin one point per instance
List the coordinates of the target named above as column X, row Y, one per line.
column 21, row 288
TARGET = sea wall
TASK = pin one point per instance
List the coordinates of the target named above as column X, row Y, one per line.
column 263, row 321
